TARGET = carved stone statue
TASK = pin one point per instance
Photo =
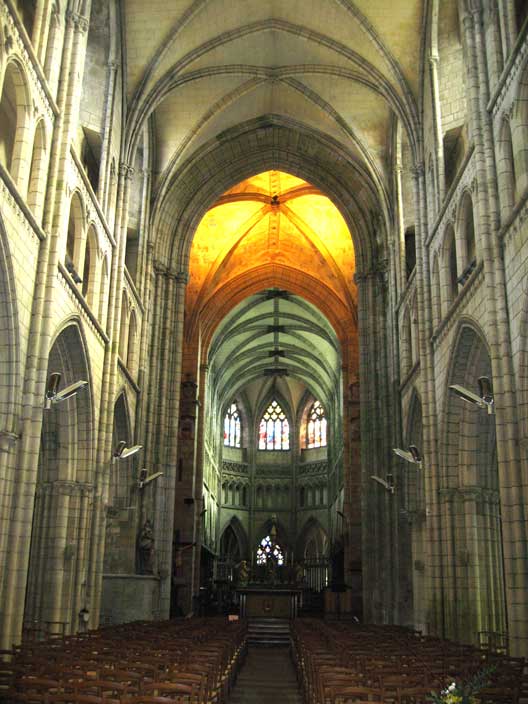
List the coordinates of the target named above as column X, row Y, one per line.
column 299, row 573
column 243, row 573
column 146, row 549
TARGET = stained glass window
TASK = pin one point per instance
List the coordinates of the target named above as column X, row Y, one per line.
column 316, row 426
column 274, row 431
column 268, row 550
column 232, row 426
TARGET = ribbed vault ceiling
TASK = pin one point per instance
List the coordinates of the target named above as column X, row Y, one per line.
column 201, row 67
column 275, row 335
column 279, row 224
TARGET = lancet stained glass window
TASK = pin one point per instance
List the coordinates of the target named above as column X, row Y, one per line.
column 316, row 426
column 268, row 550
column 232, row 426
column 274, row 431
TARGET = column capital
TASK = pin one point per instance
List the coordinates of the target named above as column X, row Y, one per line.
column 7, row 440
column 378, row 270
column 418, row 170
column 182, row 277
column 126, row 170
column 79, row 22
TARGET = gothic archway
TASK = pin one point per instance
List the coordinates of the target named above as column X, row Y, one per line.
column 58, row 566
column 474, row 591
column 121, row 512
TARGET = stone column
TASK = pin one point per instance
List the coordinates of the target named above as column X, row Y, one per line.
column 161, row 413
column 104, row 180
column 437, row 125
column 513, row 481
column 186, row 504
column 57, row 202
column 494, row 56
column 433, row 566
column 352, row 485
column 108, row 388
column 509, row 27
column 379, row 554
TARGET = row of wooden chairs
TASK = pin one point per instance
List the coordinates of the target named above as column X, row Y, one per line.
column 343, row 662
column 182, row 661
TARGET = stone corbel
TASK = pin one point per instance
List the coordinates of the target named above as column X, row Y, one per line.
column 78, row 21
column 125, row 170
column 7, row 440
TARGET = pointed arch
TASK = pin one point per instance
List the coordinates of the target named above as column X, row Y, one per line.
column 315, row 426
column 89, row 275
column 234, row 541
column 274, row 427
column 122, row 519
column 449, row 268
column 65, row 478
column 75, row 234
column 506, row 170
column 466, row 231
column 38, row 171
column 475, row 585
column 123, row 332
column 312, row 541
column 232, row 426
column 131, row 360
column 14, row 120
column 103, row 290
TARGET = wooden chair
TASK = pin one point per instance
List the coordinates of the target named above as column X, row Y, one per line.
column 342, row 695
column 177, row 692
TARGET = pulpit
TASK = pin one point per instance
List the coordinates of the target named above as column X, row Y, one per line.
column 261, row 601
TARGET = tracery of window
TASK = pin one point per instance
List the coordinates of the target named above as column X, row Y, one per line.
column 268, row 550
column 316, row 426
column 232, row 426
column 274, row 431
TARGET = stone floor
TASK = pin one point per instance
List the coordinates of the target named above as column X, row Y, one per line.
column 267, row 677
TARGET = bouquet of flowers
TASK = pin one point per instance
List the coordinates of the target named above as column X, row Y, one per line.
column 460, row 693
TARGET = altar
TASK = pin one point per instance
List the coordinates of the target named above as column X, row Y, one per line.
column 261, row 601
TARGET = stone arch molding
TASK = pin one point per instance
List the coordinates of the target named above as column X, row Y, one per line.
column 151, row 90
column 311, row 528
column 269, row 142
column 9, row 343
column 240, row 533
column 71, row 349
column 271, row 393
column 470, row 343
column 65, row 485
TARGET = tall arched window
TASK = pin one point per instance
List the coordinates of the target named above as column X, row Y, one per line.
column 269, row 551
column 274, row 432
column 232, row 426
column 316, row 426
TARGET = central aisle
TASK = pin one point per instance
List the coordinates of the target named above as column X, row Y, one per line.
column 267, row 677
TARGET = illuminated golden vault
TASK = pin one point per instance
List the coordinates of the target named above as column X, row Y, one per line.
column 277, row 219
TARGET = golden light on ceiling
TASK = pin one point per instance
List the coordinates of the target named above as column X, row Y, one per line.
column 277, row 218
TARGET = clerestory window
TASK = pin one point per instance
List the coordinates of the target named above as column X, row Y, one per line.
column 232, row 426
column 274, row 431
column 316, row 426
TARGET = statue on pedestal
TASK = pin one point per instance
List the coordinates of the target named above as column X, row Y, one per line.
column 243, row 573
column 146, row 549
